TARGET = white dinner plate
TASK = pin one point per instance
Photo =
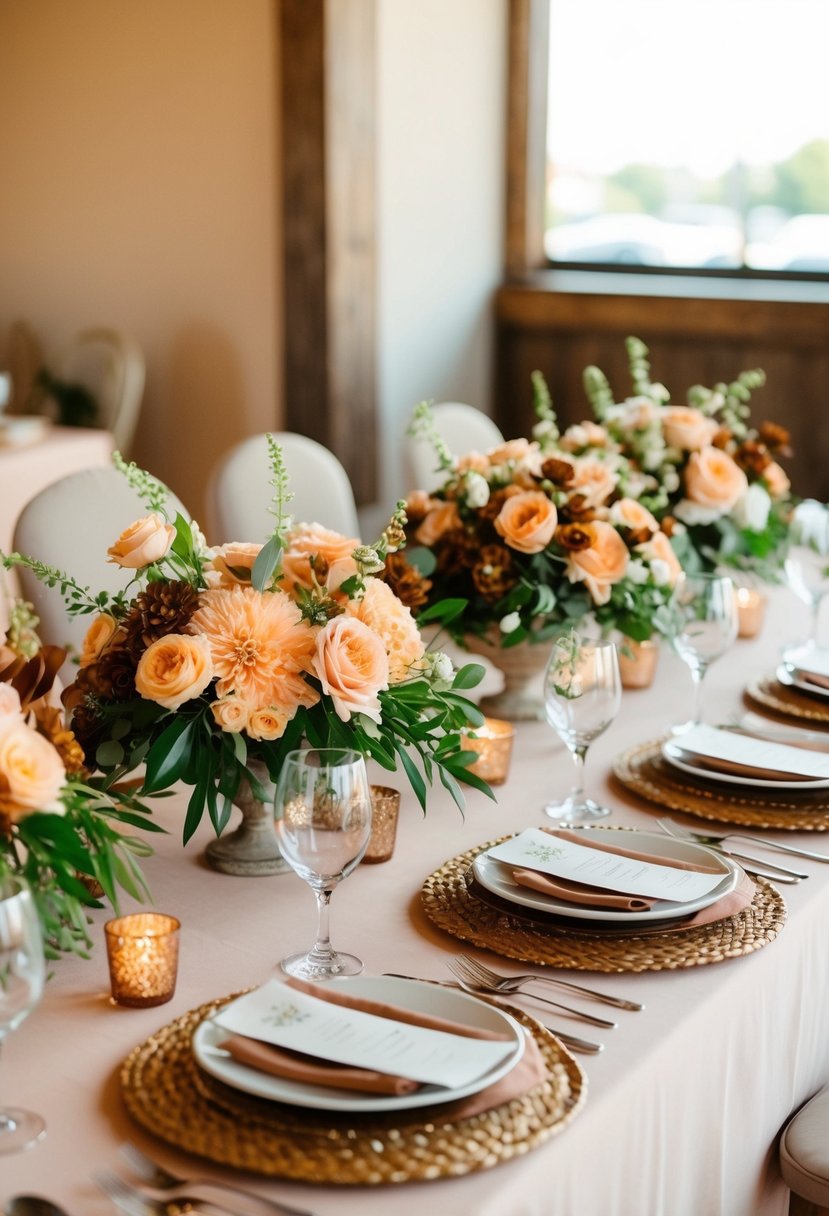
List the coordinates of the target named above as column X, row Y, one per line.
column 496, row 877
column 674, row 754
column 410, row 994
column 791, row 677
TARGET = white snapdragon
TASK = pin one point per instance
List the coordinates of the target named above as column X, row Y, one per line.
column 752, row 510
column 476, row 489
column 509, row 623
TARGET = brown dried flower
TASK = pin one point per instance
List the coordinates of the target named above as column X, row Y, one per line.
column 408, row 584
column 753, row 457
column 573, row 537
column 494, row 574
column 775, row 437
column 160, row 609
column 559, row 472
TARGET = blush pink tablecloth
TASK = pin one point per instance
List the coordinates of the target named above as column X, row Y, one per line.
column 25, row 471
column 683, row 1107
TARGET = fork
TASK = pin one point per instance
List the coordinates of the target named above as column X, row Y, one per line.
column 161, row 1179
column 462, row 972
column 482, row 975
column 717, row 838
column 135, row 1203
column 569, row 1040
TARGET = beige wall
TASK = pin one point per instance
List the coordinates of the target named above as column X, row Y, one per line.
column 138, row 189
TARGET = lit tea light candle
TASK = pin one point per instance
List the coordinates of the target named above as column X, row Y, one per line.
column 142, row 951
column 750, row 609
column 385, row 808
column 493, row 743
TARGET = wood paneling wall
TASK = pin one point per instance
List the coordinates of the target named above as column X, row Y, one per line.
column 692, row 340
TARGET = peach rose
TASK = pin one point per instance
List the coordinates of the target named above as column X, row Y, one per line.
column 593, row 481
column 340, row 570
column 142, row 543
column 473, row 462
column 687, row 428
column 527, row 521
column 602, row 564
column 419, row 503
column 628, row 513
column 522, row 452
column 174, row 669
column 98, row 636
column 312, row 540
column 777, row 483
column 714, row 480
column 440, row 519
column 660, row 549
column 267, row 724
column 232, row 564
column 31, row 772
column 394, row 624
column 230, row 714
column 352, row 667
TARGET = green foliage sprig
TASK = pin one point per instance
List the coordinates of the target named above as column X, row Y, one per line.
column 149, row 489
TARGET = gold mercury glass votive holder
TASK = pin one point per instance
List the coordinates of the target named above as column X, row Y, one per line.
column 385, row 808
column 142, row 950
column 493, row 743
column 751, row 607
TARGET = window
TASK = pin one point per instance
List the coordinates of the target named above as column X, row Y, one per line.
column 688, row 135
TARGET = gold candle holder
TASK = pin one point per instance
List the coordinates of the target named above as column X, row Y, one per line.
column 385, row 808
column 751, row 607
column 637, row 662
column 142, row 950
column 493, row 743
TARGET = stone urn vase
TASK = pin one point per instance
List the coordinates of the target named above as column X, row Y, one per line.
column 522, row 666
column 251, row 850
column 637, row 662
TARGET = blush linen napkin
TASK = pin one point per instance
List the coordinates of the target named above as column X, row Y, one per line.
column 294, row 1066
column 585, row 895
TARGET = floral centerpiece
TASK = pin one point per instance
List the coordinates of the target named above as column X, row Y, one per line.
column 70, row 834
column 212, row 659
column 714, row 481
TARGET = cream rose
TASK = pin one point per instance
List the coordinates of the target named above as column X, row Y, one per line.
column 142, row 543
column 10, row 710
column 98, row 636
column 267, row 724
column 522, row 453
column 660, row 549
column 352, row 667
column 628, row 513
column 230, row 714
column 174, row 669
column 601, row 565
column 232, row 564
column 687, row 428
column 527, row 521
column 313, row 541
column 473, row 462
column 593, row 482
column 714, row 480
column 31, row 772
column 440, row 519
column 777, row 483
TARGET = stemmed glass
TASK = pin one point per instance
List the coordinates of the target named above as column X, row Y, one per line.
column 322, row 809
column 582, row 693
column 22, row 971
column 706, row 626
column 807, row 564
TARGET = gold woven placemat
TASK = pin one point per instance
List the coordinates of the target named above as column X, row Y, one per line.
column 790, row 702
column 643, row 770
column 450, row 904
column 168, row 1094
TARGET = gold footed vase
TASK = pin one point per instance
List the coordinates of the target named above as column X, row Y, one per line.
column 637, row 662
column 522, row 666
column 251, row 850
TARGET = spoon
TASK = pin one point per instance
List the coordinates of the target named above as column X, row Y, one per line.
column 33, row 1205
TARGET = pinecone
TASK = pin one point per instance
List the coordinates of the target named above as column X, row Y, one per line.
column 407, row 583
column 116, row 670
column 160, row 609
column 493, row 574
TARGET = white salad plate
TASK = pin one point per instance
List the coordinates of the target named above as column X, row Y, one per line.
column 793, row 677
column 679, row 759
column 409, row 994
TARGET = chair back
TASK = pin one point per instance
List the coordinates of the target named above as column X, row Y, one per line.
column 240, row 495
column 70, row 525
column 110, row 364
column 463, row 427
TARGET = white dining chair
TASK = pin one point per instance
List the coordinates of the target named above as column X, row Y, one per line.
column 70, row 525
column 240, row 495
column 463, row 427
column 804, row 1157
column 110, row 364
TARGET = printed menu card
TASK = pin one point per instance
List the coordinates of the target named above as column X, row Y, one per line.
column 279, row 1014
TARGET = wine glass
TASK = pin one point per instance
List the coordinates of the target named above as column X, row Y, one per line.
column 322, row 809
column 706, row 626
column 582, row 693
column 22, row 971
column 807, row 564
